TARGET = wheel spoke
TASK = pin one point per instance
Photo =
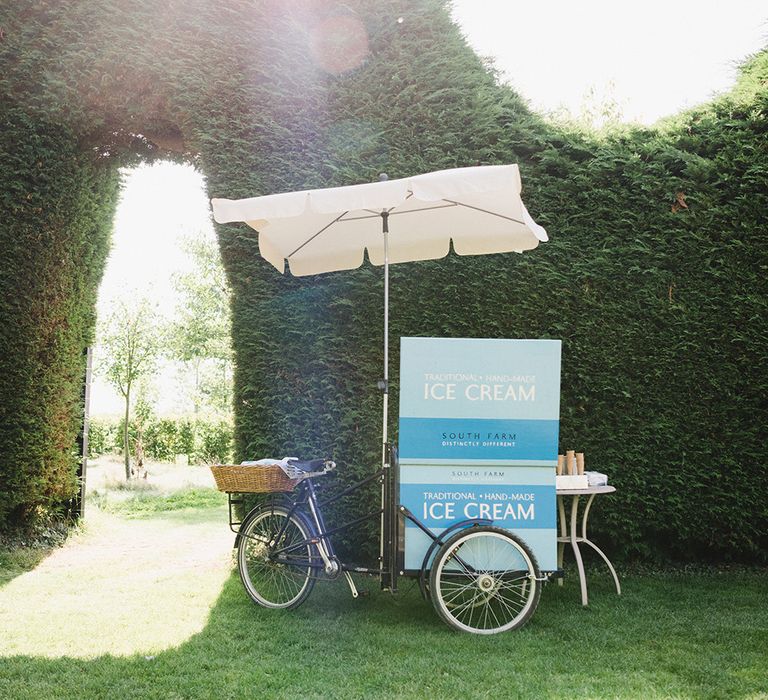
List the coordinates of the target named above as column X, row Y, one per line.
column 464, row 604
column 509, row 606
column 481, row 581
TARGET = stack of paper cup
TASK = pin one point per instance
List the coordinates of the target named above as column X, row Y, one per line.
column 571, row 464
column 570, row 461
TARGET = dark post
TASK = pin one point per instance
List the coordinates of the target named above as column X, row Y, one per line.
column 77, row 504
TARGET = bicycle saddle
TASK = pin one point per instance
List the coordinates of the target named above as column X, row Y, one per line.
column 307, row 465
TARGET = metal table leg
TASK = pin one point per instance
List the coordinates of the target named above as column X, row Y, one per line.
column 586, row 540
column 561, row 539
column 576, row 552
column 573, row 538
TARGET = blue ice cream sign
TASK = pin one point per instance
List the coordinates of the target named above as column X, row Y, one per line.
column 479, row 421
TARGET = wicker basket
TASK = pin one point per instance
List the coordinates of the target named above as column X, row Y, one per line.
column 240, row 478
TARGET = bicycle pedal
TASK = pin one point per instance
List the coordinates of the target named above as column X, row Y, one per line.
column 363, row 594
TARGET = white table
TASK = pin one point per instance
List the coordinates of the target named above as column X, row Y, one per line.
column 574, row 538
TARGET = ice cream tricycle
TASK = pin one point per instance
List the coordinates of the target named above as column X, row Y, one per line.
column 468, row 500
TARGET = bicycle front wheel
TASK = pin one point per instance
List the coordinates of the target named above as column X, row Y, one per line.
column 274, row 557
column 485, row 580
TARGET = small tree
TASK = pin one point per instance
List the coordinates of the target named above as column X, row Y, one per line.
column 199, row 336
column 130, row 346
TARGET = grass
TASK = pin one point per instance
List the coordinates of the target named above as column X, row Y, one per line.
column 698, row 637
column 15, row 561
column 23, row 550
column 168, row 488
column 174, row 622
column 142, row 504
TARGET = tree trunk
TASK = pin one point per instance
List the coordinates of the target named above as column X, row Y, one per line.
column 196, row 398
column 126, row 444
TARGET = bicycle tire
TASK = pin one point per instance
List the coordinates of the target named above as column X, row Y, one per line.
column 484, row 580
column 270, row 582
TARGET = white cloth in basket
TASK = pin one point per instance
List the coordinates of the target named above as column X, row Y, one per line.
column 285, row 464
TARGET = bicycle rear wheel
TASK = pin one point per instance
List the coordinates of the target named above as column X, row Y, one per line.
column 484, row 580
column 274, row 557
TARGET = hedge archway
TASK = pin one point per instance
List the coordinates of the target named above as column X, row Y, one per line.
column 655, row 277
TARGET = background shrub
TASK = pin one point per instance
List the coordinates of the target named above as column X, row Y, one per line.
column 185, row 437
column 205, row 440
column 214, row 442
column 161, row 439
column 102, row 436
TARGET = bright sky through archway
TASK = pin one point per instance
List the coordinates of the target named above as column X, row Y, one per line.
column 660, row 56
column 159, row 205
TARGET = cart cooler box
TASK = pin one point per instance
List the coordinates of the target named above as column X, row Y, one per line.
column 479, row 423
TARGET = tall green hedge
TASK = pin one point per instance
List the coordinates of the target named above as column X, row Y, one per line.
column 661, row 312
column 56, row 220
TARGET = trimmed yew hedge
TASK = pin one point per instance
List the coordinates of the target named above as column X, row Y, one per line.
column 54, row 237
column 661, row 312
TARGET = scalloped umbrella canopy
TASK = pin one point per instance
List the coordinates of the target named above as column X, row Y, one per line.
column 327, row 230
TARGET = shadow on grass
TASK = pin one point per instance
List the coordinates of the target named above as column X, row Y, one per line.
column 693, row 637
column 18, row 561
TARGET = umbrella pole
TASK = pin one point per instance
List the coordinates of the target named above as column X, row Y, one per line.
column 386, row 491
column 385, row 229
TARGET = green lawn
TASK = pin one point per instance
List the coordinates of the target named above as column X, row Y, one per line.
column 670, row 635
